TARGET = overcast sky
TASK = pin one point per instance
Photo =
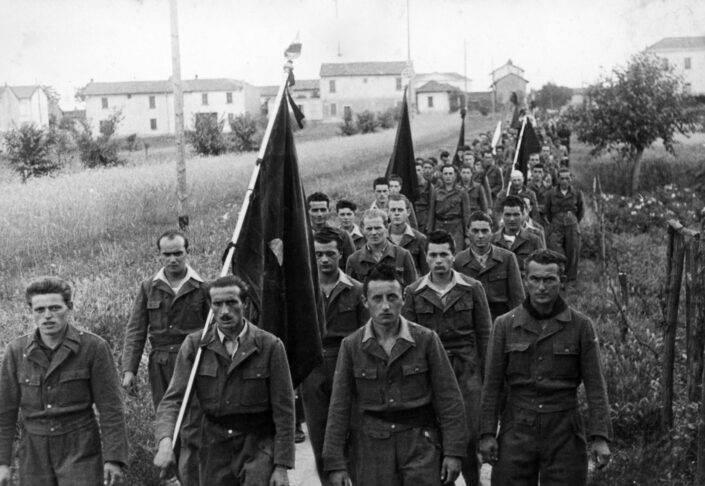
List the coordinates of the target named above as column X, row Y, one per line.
column 65, row 43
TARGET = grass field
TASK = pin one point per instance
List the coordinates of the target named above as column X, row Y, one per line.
column 97, row 228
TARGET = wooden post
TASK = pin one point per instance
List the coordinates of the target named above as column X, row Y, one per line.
column 700, row 471
column 181, row 184
column 624, row 290
column 676, row 246
column 693, row 293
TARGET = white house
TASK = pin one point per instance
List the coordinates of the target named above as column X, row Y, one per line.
column 147, row 107
column 306, row 94
column 349, row 88
column 25, row 104
column 687, row 56
column 9, row 109
column 507, row 79
column 453, row 79
column 435, row 97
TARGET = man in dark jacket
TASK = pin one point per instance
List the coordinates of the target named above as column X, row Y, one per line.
column 512, row 236
column 54, row 377
column 564, row 211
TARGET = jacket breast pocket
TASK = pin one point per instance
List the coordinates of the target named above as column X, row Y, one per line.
column 369, row 390
column 496, row 288
column 414, row 381
column 255, row 386
column 423, row 307
column 207, row 380
column 30, row 386
column 347, row 318
column 74, row 387
column 518, row 359
column 155, row 313
column 566, row 360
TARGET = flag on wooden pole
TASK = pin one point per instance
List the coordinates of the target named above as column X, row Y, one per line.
column 461, row 139
column 402, row 162
column 496, row 136
column 528, row 144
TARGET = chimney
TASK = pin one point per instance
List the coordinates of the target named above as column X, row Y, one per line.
column 196, row 77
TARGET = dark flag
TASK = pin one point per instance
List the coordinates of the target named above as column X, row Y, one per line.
column 514, row 100
column 528, row 144
column 461, row 139
column 402, row 162
column 274, row 253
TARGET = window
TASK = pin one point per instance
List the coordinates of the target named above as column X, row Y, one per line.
column 331, row 85
column 333, row 109
column 153, row 124
column 687, row 63
column 398, row 84
column 430, row 101
column 229, row 98
column 152, row 102
column 204, row 98
column 347, row 113
column 664, row 63
column 129, row 97
column 688, row 87
column 104, row 103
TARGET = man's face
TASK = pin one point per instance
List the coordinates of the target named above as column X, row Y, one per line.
column 512, row 218
column 517, row 181
column 543, row 283
column 439, row 258
column 384, row 300
column 382, row 193
column 397, row 212
column 346, row 217
column 534, row 159
column 487, row 160
column 564, row 180
column 394, row 187
column 469, row 158
column 50, row 313
column 318, row 212
column 374, row 230
column 327, row 257
column 466, row 175
column 545, row 151
column 173, row 255
column 500, row 151
column 478, row 166
column 448, row 175
column 419, row 172
column 480, row 235
column 428, row 170
column 227, row 306
column 445, row 159
column 537, row 175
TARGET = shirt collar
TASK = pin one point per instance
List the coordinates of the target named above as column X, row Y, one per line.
column 426, row 281
column 404, row 332
column 356, row 231
column 408, row 231
column 190, row 274
column 240, row 337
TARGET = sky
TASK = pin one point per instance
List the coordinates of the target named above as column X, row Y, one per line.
column 66, row 43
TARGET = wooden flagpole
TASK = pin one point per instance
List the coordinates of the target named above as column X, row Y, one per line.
column 516, row 155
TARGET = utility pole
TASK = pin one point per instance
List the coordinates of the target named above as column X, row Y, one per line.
column 337, row 26
column 181, row 186
column 465, row 73
column 412, row 79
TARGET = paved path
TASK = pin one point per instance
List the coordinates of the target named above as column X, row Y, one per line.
column 305, row 472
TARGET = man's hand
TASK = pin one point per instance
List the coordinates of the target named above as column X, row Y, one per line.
column 128, row 383
column 340, row 478
column 600, row 452
column 450, row 469
column 5, row 475
column 488, row 449
column 165, row 459
column 112, row 474
column 280, row 477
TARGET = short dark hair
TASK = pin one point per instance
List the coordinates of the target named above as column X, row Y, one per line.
column 328, row 235
column 380, row 181
column 399, row 197
column 564, row 169
column 513, row 202
column 439, row 237
column 317, row 197
column 346, row 204
column 49, row 285
column 397, row 178
column 433, row 160
column 467, row 166
column 539, row 166
column 445, row 153
column 546, row 257
column 480, row 216
column 419, row 162
column 170, row 235
column 228, row 281
column 381, row 272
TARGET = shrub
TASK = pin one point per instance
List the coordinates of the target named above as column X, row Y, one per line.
column 97, row 152
column 131, row 142
column 247, row 132
column 388, row 118
column 207, row 137
column 367, row 122
column 29, row 151
column 348, row 128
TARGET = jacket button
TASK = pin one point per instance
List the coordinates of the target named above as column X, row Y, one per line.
column 52, row 429
column 391, row 400
column 26, row 380
column 540, row 378
column 48, row 387
column 567, row 350
column 227, row 402
column 541, row 405
column 49, row 406
column 230, row 431
column 393, row 426
column 363, row 373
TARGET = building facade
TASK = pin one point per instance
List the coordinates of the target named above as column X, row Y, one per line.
column 687, row 56
column 25, row 104
column 435, row 97
column 306, row 94
column 507, row 79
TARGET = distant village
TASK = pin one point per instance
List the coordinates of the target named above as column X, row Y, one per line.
column 342, row 90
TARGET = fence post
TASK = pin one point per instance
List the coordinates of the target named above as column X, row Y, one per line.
column 693, row 303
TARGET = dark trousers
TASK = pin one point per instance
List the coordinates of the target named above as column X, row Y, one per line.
column 566, row 240
column 231, row 458
column 468, row 373
column 161, row 367
column 387, row 457
column 71, row 459
column 545, row 448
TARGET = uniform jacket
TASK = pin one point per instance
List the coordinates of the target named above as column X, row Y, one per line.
column 544, row 368
column 523, row 193
column 541, row 193
column 477, row 198
column 500, row 277
column 524, row 244
column 361, row 263
column 357, row 237
column 463, row 320
column 417, row 373
column 414, row 242
column 448, row 206
column 344, row 311
column 564, row 210
column 256, row 380
column 57, row 397
column 494, row 178
column 166, row 318
column 422, row 204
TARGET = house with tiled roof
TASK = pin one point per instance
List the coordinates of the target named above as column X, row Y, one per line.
column 9, row 109
column 25, row 104
column 687, row 56
column 435, row 97
column 147, row 107
column 352, row 87
column 507, row 79
column 306, row 94
column 453, row 79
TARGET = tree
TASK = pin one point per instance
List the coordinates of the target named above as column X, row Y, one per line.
column 631, row 109
column 29, row 151
column 100, row 151
column 552, row 96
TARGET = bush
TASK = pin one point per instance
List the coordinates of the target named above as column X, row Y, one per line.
column 207, row 137
column 97, row 152
column 367, row 122
column 29, row 151
column 131, row 142
column 348, row 128
column 247, row 132
column 389, row 117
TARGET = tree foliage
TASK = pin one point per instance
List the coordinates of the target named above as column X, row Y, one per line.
column 631, row 109
column 29, row 150
column 247, row 132
column 552, row 96
column 103, row 150
column 207, row 137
